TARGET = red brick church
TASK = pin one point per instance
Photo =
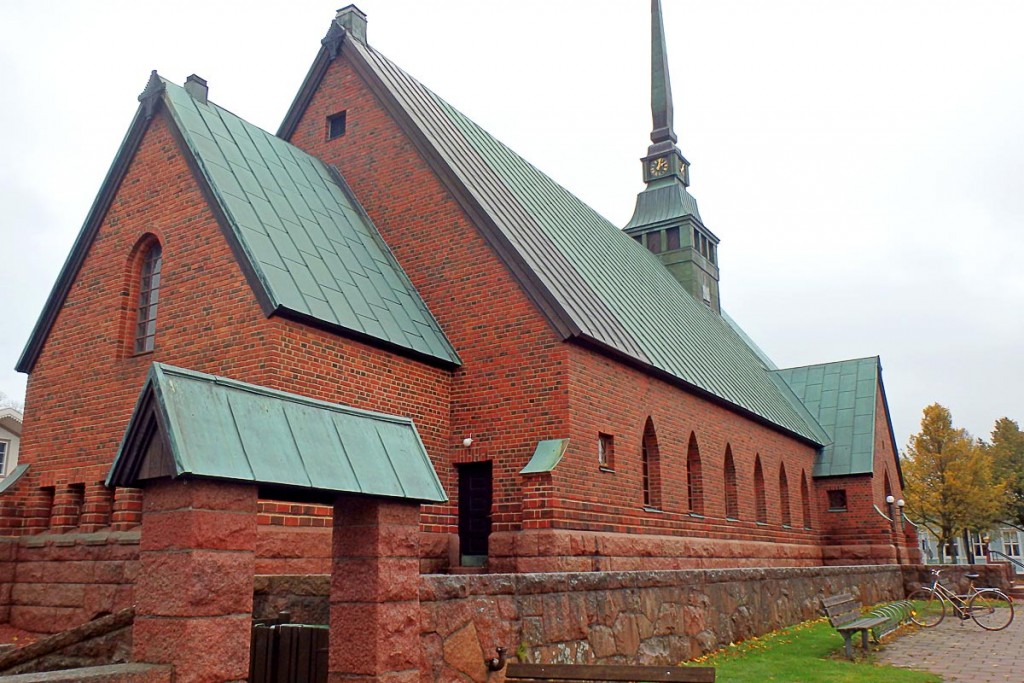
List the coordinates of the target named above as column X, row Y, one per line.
column 383, row 299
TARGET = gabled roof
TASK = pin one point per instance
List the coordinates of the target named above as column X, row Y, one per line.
column 189, row 424
column 843, row 397
column 591, row 280
column 307, row 247
column 11, row 419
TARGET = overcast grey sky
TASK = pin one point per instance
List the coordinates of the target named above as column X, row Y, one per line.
column 862, row 162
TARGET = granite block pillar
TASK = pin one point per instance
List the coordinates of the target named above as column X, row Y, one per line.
column 193, row 596
column 375, row 611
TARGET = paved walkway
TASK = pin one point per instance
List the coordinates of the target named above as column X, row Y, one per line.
column 961, row 651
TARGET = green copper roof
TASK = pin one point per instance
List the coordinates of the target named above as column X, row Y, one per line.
column 307, row 247
column 665, row 202
column 313, row 247
column 216, row 428
column 547, row 454
column 595, row 281
column 843, row 397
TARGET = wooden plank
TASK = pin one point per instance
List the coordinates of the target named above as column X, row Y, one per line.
column 837, row 599
column 609, row 672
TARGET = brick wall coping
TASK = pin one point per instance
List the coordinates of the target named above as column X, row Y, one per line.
column 435, row 587
column 445, row 587
column 78, row 538
column 114, row 673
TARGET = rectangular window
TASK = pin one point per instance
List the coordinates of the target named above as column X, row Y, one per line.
column 837, row 500
column 336, row 125
column 979, row 545
column 1011, row 542
column 605, row 451
column 3, row 458
column 672, row 239
column 654, row 242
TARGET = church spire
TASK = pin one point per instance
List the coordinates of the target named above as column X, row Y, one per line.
column 661, row 85
column 666, row 220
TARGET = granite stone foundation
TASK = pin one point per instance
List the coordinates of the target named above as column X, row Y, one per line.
column 641, row 617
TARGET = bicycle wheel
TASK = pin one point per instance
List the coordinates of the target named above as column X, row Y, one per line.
column 991, row 609
column 928, row 609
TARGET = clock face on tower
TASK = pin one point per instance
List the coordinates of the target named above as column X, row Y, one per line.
column 658, row 167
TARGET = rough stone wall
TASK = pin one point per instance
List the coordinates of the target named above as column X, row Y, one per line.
column 645, row 617
column 623, row 617
column 63, row 580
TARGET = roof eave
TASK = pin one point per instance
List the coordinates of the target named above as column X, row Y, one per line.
column 534, row 288
column 80, row 248
column 305, row 94
column 674, row 380
column 888, row 422
column 341, row 331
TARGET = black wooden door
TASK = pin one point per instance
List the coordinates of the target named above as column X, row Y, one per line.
column 475, row 497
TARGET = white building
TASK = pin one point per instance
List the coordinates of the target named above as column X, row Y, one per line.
column 1004, row 545
column 10, row 438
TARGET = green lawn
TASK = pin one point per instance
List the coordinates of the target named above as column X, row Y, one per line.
column 807, row 653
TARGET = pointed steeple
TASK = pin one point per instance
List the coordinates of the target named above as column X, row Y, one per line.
column 661, row 84
column 666, row 219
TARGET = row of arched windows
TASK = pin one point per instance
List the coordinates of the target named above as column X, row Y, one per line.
column 651, row 469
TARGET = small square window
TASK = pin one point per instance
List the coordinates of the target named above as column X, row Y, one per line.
column 605, row 451
column 336, row 125
column 837, row 500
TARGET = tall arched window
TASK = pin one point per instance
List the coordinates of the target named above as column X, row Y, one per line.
column 888, row 486
column 760, row 502
column 694, row 478
column 651, row 461
column 787, row 516
column 149, row 297
column 732, row 497
column 805, row 499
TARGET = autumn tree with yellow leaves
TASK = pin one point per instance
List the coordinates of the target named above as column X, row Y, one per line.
column 949, row 483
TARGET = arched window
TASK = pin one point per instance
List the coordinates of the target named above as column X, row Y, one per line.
column 888, row 486
column 787, row 517
column 760, row 502
column 149, row 296
column 694, row 478
column 651, row 462
column 805, row 499
column 732, row 498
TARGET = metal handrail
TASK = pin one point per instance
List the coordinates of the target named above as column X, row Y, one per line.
column 884, row 516
column 907, row 519
column 1007, row 557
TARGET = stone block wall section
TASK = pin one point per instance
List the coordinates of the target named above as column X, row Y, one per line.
column 53, row 582
column 193, row 598
column 645, row 617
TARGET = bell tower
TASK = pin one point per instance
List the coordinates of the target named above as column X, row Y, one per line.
column 666, row 220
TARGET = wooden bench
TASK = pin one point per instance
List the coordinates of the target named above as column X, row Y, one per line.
column 609, row 672
column 844, row 613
